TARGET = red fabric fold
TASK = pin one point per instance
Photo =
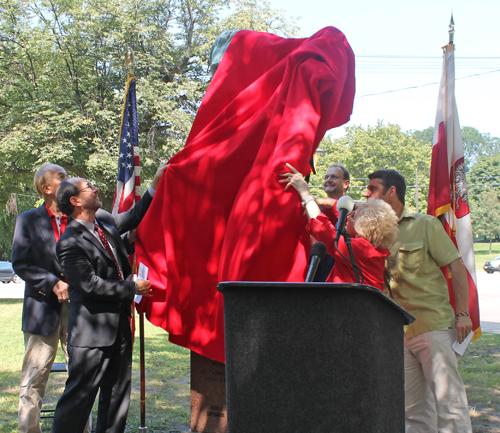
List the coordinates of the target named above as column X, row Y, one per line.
column 219, row 213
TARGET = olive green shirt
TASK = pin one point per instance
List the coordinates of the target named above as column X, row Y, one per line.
column 416, row 280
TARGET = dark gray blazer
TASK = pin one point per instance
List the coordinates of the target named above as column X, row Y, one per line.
column 96, row 295
column 34, row 260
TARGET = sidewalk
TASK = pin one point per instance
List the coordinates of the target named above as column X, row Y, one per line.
column 12, row 290
column 489, row 299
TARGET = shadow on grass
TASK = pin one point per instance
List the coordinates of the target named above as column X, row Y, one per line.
column 9, row 400
column 480, row 370
column 168, row 393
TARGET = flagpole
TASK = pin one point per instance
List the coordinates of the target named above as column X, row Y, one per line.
column 129, row 65
column 448, row 194
column 451, row 47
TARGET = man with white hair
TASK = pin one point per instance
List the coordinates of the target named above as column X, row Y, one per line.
column 45, row 307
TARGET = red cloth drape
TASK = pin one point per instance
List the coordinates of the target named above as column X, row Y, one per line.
column 219, row 213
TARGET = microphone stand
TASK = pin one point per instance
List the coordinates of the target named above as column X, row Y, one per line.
column 347, row 240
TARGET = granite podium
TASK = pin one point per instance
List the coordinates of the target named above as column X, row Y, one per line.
column 313, row 357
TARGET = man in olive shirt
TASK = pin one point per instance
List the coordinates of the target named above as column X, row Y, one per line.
column 434, row 392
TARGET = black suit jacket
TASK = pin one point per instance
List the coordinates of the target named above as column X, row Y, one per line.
column 96, row 295
column 34, row 260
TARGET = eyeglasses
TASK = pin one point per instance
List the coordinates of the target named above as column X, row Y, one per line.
column 353, row 212
column 332, row 177
column 88, row 186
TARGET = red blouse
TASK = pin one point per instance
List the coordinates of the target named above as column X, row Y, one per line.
column 369, row 259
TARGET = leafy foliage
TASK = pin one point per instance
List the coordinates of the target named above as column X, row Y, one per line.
column 476, row 144
column 364, row 150
column 6, row 234
column 484, row 197
column 63, row 79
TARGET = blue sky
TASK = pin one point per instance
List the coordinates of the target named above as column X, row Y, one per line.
column 416, row 30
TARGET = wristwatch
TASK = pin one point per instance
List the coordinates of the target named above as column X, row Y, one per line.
column 307, row 200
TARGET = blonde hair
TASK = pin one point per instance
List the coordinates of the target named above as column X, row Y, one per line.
column 42, row 176
column 376, row 221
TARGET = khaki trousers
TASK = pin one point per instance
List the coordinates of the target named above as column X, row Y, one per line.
column 435, row 394
column 40, row 352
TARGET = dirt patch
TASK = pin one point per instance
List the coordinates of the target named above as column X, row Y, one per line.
column 485, row 419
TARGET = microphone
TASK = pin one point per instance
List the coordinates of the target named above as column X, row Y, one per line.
column 318, row 251
column 345, row 205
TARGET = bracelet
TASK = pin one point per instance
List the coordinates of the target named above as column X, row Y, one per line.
column 462, row 314
column 307, row 200
column 136, row 287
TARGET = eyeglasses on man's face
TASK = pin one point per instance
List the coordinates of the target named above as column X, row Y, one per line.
column 332, row 177
column 88, row 186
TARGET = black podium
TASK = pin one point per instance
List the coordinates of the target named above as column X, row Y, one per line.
column 313, row 357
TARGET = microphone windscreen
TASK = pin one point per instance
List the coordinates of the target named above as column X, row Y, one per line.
column 345, row 202
column 318, row 249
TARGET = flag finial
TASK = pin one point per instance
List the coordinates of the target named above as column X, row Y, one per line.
column 129, row 60
column 451, row 29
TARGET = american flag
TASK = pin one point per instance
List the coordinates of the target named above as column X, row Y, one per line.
column 128, row 184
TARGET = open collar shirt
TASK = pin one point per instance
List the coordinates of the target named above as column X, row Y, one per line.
column 416, row 280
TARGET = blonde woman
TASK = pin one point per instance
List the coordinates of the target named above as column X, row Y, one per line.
column 372, row 227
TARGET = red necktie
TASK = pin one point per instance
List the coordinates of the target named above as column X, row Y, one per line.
column 108, row 249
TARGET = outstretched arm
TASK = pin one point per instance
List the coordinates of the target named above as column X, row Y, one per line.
column 158, row 175
column 130, row 220
column 296, row 180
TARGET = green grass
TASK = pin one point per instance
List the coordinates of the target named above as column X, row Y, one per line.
column 167, row 379
column 482, row 253
column 480, row 370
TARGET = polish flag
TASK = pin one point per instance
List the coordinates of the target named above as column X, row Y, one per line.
column 448, row 195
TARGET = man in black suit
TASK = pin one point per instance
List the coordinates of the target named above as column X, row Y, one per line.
column 94, row 260
column 45, row 307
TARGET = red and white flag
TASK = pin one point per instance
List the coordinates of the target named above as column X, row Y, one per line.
column 128, row 183
column 448, row 195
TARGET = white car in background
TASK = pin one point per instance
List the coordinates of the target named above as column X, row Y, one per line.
column 492, row 265
column 7, row 274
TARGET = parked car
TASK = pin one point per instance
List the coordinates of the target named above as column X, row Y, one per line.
column 492, row 265
column 7, row 274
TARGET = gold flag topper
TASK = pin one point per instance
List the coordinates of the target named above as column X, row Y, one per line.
column 129, row 60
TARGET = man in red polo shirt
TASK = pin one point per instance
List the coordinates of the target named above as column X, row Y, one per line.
column 45, row 308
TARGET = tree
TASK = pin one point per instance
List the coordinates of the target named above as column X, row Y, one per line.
column 62, row 78
column 482, row 160
column 484, row 187
column 6, row 234
column 425, row 136
column 363, row 151
column 476, row 144
column 485, row 172
column 63, row 82
column 485, row 214
column 15, row 205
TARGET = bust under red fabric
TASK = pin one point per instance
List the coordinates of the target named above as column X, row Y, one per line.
column 219, row 213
